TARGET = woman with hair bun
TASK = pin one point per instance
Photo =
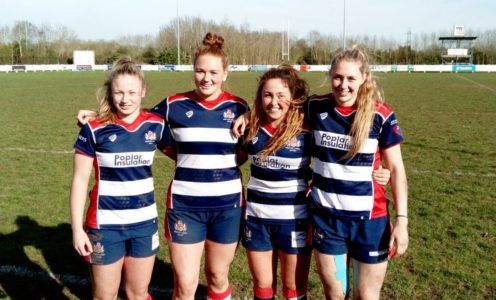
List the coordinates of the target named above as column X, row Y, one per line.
column 204, row 200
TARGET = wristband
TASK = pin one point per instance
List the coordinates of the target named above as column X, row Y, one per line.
column 402, row 216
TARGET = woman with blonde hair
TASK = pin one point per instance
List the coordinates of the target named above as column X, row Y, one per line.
column 120, row 234
column 205, row 197
column 354, row 132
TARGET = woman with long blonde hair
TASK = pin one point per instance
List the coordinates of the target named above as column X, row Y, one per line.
column 354, row 131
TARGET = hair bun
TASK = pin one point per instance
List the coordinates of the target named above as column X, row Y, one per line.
column 213, row 40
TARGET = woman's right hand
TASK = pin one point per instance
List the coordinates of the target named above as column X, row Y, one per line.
column 81, row 242
column 84, row 116
column 240, row 124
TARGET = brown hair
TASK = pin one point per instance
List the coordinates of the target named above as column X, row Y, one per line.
column 369, row 94
column 123, row 66
column 293, row 121
column 212, row 44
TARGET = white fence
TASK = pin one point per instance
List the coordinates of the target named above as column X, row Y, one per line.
column 236, row 68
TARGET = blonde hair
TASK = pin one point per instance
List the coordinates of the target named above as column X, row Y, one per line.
column 212, row 44
column 124, row 66
column 293, row 121
column 369, row 95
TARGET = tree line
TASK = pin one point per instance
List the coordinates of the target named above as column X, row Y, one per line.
column 26, row 43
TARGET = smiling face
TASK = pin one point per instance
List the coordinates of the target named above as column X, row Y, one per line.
column 346, row 79
column 127, row 92
column 209, row 76
column 276, row 99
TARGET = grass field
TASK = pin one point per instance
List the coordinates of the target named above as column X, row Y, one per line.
column 449, row 121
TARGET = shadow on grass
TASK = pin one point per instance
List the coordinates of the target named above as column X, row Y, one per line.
column 38, row 262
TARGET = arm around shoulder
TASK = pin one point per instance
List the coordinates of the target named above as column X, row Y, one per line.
column 84, row 116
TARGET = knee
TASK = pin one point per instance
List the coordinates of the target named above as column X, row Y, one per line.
column 136, row 290
column 102, row 295
column 217, row 279
column 185, row 287
column 262, row 283
column 136, row 293
column 366, row 293
column 334, row 289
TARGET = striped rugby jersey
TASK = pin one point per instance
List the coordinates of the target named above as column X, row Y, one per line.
column 123, row 194
column 345, row 187
column 206, row 176
column 277, row 185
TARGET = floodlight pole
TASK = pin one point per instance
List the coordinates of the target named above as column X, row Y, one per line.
column 178, row 46
column 283, row 54
column 344, row 24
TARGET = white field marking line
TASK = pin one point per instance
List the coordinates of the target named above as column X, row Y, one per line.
column 476, row 83
column 62, row 152
column 38, row 150
column 454, row 173
column 62, row 279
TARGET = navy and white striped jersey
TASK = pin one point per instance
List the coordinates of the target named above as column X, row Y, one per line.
column 123, row 194
column 344, row 187
column 278, row 183
column 207, row 176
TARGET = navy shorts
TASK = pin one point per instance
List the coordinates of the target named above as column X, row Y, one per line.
column 364, row 240
column 111, row 245
column 288, row 237
column 190, row 227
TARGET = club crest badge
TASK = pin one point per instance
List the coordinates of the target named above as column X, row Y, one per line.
column 98, row 248
column 293, row 144
column 180, row 228
column 318, row 235
column 254, row 140
column 247, row 233
column 189, row 114
column 112, row 138
column 323, row 115
column 150, row 137
column 229, row 116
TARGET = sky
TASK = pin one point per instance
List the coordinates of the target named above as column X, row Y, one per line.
column 110, row 19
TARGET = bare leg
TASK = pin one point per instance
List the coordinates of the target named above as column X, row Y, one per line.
column 106, row 280
column 218, row 258
column 186, row 259
column 137, row 276
column 368, row 280
column 294, row 271
column 330, row 270
column 261, row 268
